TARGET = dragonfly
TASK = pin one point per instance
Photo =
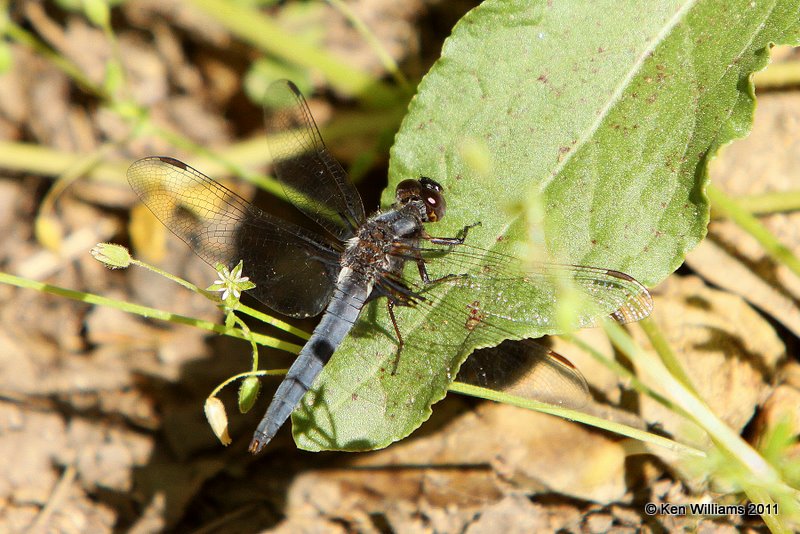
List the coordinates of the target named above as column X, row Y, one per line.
column 350, row 259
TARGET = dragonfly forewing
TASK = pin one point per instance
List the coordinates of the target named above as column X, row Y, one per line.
column 313, row 180
column 294, row 270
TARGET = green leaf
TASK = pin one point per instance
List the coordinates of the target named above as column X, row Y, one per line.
column 585, row 128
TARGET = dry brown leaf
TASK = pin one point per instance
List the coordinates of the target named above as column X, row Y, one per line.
column 390, row 22
column 782, row 407
column 517, row 514
column 727, row 270
column 766, row 161
column 447, row 496
column 727, row 349
column 521, row 447
column 148, row 13
column 178, row 482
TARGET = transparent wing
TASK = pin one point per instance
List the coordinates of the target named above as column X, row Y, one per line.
column 313, row 180
column 293, row 269
column 512, row 293
column 485, row 298
column 526, row 369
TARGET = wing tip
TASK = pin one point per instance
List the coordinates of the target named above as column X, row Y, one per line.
column 291, row 85
column 171, row 161
column 638, row 306
column 164, row 159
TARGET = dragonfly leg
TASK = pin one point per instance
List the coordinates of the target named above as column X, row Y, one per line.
column 426, row 279
column 458, row 240
column 400, row 343
column 423, row 272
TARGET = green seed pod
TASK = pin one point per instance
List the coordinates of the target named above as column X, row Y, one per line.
column 248, row 393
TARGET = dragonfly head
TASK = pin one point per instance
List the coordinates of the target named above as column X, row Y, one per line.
column 425, row 195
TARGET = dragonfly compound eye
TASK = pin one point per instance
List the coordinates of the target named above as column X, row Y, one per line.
column 408, row 190
column 426, row 191
column 433, row 199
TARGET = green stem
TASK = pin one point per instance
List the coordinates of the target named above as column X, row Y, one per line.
column 263, row 317
column 617, row 428
column 277, row 323
column 249, row 335
column 247, row 154
column 145, row 311
column 178, row 280
column 752, row 226
column 773, row 522
column 767, row 203
column 45, row 161
column 623, row 373
column 270, row 372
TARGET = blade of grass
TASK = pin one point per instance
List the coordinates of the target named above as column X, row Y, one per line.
column 623, row 373
column 778, row 75
column 766, row 203
column 250, row 153
column 668, row 357
column 259, row 30
column 697, row 409
column 729, row 207
column 762, row 481
column 388, row 61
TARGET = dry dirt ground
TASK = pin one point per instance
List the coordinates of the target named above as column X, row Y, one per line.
column 101, row 421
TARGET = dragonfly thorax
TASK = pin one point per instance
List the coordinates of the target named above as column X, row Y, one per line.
column 371, row 253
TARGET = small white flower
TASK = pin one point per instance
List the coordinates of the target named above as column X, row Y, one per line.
column 231, row 283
